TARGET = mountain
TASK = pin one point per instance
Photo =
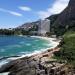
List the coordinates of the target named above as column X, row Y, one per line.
column 60, row 23
column 29, row 25
column 65, row 20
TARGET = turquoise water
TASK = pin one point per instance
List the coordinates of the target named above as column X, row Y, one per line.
column 17, row 45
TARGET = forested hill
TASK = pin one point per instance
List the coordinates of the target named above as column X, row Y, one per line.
column 64, row 21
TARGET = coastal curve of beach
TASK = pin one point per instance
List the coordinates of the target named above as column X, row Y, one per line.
column 37, row 54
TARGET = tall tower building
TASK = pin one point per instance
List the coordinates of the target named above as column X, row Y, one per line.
column 44, row 26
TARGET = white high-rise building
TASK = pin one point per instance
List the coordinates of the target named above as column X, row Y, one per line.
column 44, row 26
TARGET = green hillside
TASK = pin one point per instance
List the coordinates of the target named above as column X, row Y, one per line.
column 67, row 51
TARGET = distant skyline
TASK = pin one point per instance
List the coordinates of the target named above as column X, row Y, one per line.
column 16, row 12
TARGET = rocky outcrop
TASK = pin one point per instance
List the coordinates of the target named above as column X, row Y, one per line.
column 31, row 66
column 24, row 66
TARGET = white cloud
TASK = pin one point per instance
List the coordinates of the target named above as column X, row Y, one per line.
column 57, row 7
column 15, row 13
column 10, row 12
column 24, row 8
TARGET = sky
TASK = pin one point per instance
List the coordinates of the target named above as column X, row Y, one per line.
column 16, row 12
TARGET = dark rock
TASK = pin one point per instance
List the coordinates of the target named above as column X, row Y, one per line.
column 23, row 66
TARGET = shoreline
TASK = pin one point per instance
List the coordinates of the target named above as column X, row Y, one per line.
column 54, row 41
column 35, row 53
column 44, row 55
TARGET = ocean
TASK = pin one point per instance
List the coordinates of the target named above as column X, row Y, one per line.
column 14, row 47
column 21, row 45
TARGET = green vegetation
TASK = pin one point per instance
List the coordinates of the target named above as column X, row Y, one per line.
column 60, row 26
column 13, row 32
column 67, row 51
column 6, row 32
column 18, row 31
column 53, row 18
column 48, row 34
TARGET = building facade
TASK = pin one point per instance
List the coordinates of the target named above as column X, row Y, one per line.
column 44, row 27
